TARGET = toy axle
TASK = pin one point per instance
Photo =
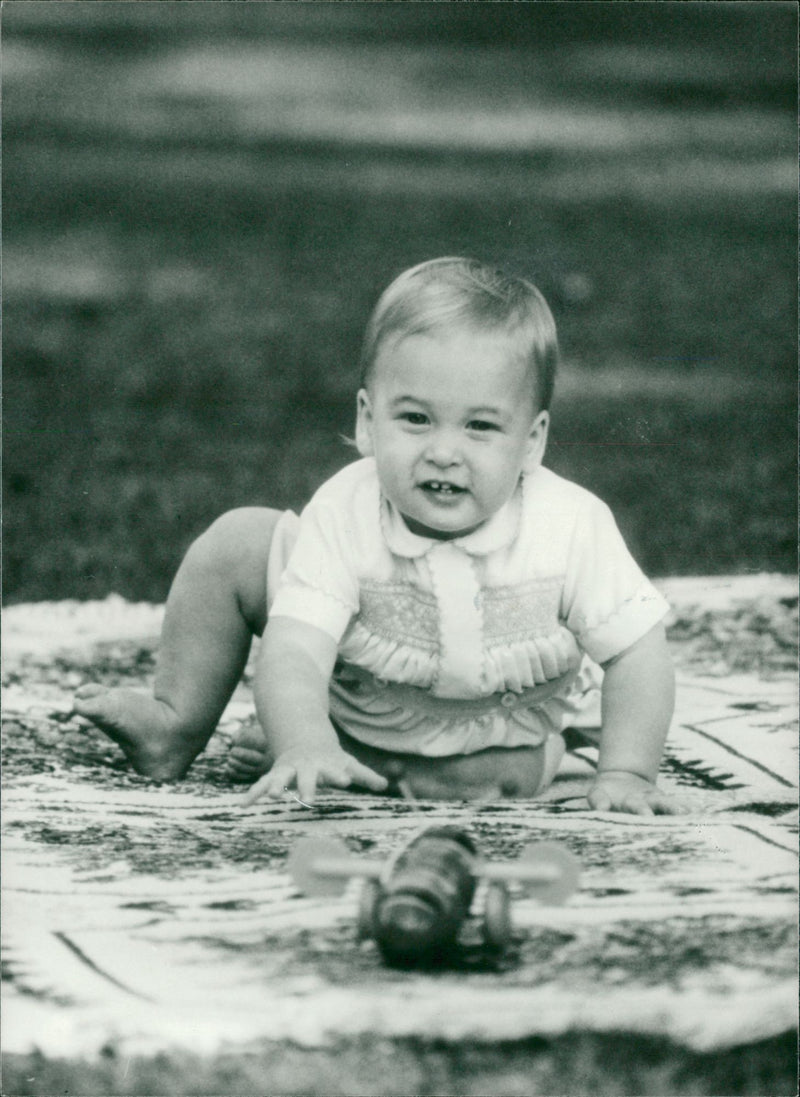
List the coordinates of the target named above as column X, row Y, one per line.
column 346, row 866
column 520, row 871
column 512, row 870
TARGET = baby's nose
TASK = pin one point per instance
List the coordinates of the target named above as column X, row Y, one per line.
column 443, row 450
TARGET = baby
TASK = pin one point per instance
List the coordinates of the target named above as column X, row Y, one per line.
column 438, row 614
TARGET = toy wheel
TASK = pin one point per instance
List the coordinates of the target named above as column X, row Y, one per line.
column 497, row 916
column 553, row 855
column 306, row 855
column 370, row 893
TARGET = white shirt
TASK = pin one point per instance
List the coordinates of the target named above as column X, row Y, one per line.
column 452, row 646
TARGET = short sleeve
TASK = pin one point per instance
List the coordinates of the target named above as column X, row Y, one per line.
column 319, row 585
column 608, row 604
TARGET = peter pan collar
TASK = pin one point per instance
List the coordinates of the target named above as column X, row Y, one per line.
column 497, row 533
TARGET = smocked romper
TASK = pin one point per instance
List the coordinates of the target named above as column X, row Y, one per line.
column 450, row 647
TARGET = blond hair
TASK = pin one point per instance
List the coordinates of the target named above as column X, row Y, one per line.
column 452, row 292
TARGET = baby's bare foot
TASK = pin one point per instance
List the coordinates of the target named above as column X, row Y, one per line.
column 492, row 774
column 249, row 756
column 147, row 730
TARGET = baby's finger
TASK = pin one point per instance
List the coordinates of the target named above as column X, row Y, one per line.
column 307, row 785
column 336, row 777
column 599, row 800
column 272, row 784
column 636, row 804
column 256, row 792
column 368, row 778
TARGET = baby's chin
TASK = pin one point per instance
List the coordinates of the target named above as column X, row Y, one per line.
column 438, row 534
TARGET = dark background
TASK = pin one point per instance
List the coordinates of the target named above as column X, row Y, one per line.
column 202, row 202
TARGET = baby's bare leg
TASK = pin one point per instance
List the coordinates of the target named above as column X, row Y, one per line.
column 216, row 605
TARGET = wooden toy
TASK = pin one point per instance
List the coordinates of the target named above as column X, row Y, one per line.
column 414, row 904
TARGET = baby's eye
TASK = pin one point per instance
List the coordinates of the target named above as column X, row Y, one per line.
column 481, row 425
column 415, row 418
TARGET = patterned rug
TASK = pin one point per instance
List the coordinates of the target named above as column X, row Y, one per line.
column 144, row 917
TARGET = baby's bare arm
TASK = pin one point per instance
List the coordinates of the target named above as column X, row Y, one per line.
column 638, row 699
column 294, row 668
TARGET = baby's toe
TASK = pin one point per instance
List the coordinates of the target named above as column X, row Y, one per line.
column 89, row 690
column 244, row 764
column 93, row 701
column 246, row 757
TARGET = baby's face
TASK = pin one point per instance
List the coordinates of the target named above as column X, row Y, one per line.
column 451, row 420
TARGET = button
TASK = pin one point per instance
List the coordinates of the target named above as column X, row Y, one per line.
column 508, row 700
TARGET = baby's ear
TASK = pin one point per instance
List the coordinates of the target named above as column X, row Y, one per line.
column 364, row 443
column 537, row 442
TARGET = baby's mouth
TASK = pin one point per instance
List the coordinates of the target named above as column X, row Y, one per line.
column 442, row 488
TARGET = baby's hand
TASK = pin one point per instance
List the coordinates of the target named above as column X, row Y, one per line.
column 617, row 790
column 304, row 769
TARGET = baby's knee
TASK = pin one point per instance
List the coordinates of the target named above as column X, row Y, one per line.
column 243, row 530
column 235, row 548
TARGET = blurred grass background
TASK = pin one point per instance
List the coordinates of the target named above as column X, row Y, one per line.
column 203, row 201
